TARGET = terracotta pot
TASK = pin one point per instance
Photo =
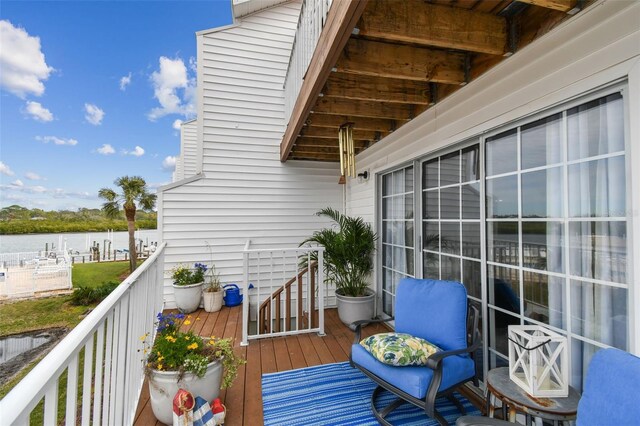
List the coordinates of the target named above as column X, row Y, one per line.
column 163, row 386
column 212, row 300
column 188, row 297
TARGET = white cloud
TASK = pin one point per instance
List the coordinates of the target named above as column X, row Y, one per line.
column 106, row 149
column 38, row 189
column 38, row 112
column 125, row 81
column 33, row 176
column 173, row 88
column 177, row 123
column 6, row 170
column 17, row 182
column 138, row 151
column 22, row 62
column 56, row 140
column 169, row 163
column 93, row 114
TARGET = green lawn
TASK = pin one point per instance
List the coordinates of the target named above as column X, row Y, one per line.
column 26, row 315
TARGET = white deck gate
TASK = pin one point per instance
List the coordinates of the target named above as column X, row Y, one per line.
column 101, row 359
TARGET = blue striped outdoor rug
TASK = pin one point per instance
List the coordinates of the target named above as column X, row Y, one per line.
column 336, row 394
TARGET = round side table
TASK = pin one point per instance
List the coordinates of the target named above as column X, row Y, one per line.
column 514, row 399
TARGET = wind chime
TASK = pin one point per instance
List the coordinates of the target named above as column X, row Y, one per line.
column 347, row 152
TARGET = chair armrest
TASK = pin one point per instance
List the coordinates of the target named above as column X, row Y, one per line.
column 434, row 360
column 358, row 327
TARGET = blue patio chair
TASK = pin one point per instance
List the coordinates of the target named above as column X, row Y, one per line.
column 438, row 312
column 610, row 396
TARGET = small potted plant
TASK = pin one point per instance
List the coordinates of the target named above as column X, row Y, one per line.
column 184, row 360
column 187, row 286
column 212, row 292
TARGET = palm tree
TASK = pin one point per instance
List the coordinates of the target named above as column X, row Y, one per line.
column 134, row 191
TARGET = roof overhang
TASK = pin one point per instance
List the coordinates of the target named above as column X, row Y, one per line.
column 381, row 63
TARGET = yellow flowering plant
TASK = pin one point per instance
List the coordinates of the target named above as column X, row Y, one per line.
column 186, row 352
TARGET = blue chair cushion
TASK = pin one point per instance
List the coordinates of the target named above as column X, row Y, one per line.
column 433, row 310
column 415, row 380
column 611, row 394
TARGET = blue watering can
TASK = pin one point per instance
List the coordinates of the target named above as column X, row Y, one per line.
column 232, row 296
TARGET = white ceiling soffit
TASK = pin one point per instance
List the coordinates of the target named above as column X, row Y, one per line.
column 245, row 7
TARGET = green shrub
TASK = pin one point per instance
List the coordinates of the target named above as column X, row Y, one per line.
column 88, row 296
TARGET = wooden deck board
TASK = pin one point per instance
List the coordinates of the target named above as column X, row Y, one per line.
column 244, row 399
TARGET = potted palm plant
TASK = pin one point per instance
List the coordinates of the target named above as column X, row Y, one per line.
column 212, row 292
column 187, row 286
column 349, row 246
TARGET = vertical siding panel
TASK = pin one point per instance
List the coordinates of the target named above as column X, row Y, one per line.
column 246, row 192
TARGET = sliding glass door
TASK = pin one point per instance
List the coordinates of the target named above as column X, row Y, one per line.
column 537, row 211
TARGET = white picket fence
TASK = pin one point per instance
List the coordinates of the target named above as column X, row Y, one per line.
column 101, row 358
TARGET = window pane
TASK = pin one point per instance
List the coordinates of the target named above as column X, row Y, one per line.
column 430, row 204
column 431, row 265
column 450, row 169
column 596, row 128
column 408, row 206
column 597, row 188
column 408, row 179
column 387, row 303
column 430, row 174
column 472, row 278
column 450, row 202
column 431, row 236
column 408, row 233
column 542, row 142
column 450, row 268
column 543, row 245
column 502, row 197
column 450, row 237
column 386, row 184
column 398, row 181
column 502, row 153
column 471, row 201
column 398, row 206
column 471, row 239
column 387, row 278
column 544, row 298
column 386, row 256
column 410, row 261
column 386, row 231
column 542, row 193
column 599, row 312
column 498, row 326
column 502, row 242
column 503, row 285
column 387, row 208
column 470, row 163
column 399, row 260
column 599, row 250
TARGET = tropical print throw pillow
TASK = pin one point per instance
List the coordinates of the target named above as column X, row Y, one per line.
column 399, row 349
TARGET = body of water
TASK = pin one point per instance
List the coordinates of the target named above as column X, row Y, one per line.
column 75, row 241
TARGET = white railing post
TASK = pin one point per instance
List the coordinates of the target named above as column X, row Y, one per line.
column 320, row 285
column 245, row 292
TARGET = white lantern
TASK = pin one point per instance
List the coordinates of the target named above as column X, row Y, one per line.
column 538, row 361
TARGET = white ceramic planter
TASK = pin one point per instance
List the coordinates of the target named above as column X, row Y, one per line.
column 188, row 297
column 212, row 300
column 163, row 386
column 352, row 309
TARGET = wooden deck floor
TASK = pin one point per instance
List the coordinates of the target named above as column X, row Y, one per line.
column 244, row 399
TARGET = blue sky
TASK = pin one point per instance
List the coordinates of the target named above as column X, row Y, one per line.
column 91, row 90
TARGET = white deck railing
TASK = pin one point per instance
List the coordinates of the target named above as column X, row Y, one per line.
column 286, row 297
column 312, row 18
column 29, row 274
column 101, row 359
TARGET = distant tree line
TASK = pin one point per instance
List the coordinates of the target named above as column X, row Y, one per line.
column 20, row 220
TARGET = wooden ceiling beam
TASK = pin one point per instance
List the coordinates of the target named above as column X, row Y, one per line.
column 561, row 5
column 341, row 19
column 305, row 141
column 318, row 119
column 419, row 22
column 378, row 59
column 364, row 109
column 327, row 132
column 366, row 88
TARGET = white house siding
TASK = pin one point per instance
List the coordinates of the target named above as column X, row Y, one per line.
column 178, row 172
column 189, row 149
column 599, row 46
column 244, row 192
